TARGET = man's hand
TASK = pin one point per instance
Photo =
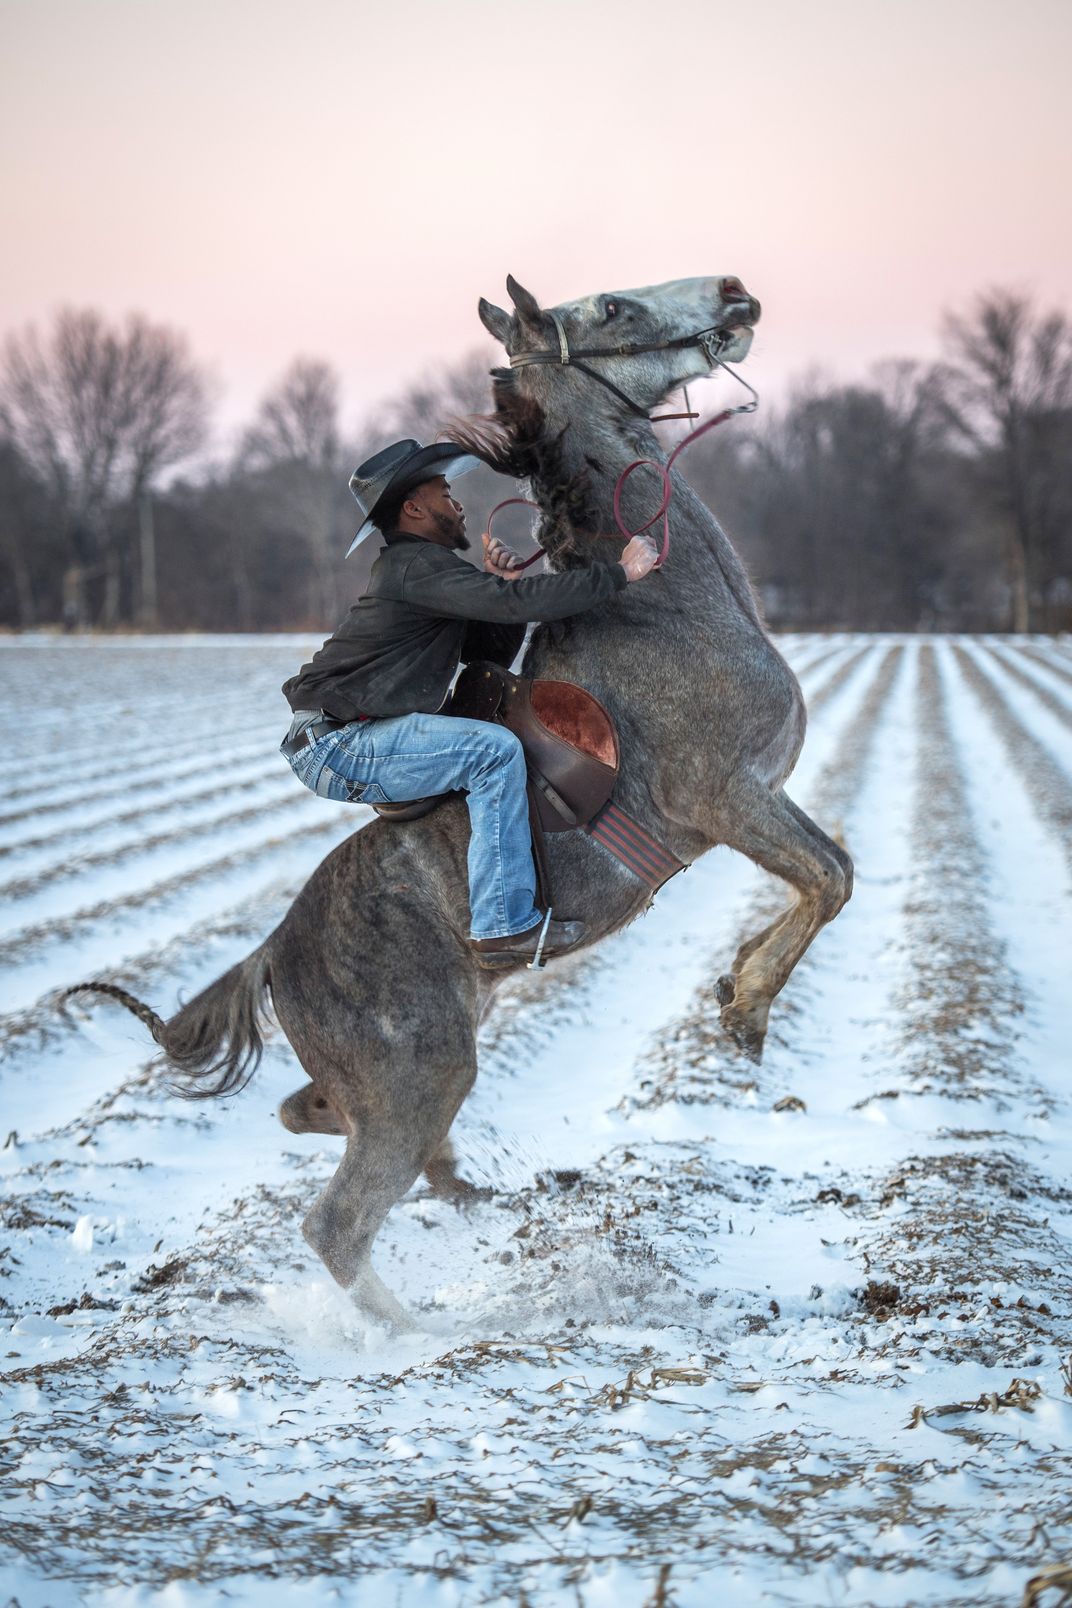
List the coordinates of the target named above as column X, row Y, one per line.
column 499, row 560
column 638, row 557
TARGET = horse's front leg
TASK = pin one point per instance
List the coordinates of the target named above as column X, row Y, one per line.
column 775, row 833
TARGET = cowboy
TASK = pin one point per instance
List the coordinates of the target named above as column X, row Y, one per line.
column 367, row 726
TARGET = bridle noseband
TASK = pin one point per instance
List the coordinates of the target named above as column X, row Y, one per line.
column 710, row 341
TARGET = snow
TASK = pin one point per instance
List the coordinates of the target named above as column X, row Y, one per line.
column 659, row 1362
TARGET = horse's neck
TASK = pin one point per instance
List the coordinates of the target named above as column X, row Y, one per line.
column 704, row 575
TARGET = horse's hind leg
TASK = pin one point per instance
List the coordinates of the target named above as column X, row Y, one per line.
column 774, row 832
column 309, row 1110
column 399, row 1117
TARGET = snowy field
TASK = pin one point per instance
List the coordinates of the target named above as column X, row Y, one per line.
column 719, row 1336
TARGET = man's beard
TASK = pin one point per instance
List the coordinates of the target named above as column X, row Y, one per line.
column 453, row 530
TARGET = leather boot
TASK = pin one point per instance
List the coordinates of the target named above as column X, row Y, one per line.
column 491, row 953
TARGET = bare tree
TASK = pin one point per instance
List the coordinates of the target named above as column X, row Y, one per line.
column 100, row 413
column 425, row 406
column 831, row 498
column 1007, row 382
column 27, row 542
column 294, row 443
column 298, row 419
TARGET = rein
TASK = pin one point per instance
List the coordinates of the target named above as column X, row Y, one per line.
column 711, row 342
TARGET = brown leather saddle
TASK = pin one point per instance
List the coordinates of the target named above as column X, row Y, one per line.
column 571, row 749
column 570, row 744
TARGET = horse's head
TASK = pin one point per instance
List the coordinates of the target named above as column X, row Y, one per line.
column 644, row 342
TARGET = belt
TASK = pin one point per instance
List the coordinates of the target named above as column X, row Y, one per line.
column 312, row 734
column 319, row 728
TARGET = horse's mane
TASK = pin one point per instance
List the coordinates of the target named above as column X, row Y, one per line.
column 513, row 441
column 507, row 440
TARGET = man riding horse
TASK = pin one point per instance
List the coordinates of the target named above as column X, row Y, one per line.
column 368, row 724
column 370, row 976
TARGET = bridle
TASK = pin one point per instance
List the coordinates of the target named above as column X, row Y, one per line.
column 710, row 341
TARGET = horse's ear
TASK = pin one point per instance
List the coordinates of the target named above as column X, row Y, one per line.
column 528, row 308
column 494, row 320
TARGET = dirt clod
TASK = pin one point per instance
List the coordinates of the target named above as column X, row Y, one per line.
column 154, row 1278
column 878, row 1298
column 85, row 1303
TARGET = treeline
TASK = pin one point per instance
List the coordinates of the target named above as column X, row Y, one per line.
column 928, row 497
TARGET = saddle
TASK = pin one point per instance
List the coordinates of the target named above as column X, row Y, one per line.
column 570, row 744
column 571, row 751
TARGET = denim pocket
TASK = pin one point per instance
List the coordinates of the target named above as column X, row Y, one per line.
column 368, row 793
column 329, row 784
column 306, row 762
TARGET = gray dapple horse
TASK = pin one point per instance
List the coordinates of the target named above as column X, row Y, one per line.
column 370, row 974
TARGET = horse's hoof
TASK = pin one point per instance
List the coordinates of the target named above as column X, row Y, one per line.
column 448, row 1185
column 726, row 989
column 463, row 1193
column 746, row 1034
column 374, row 1301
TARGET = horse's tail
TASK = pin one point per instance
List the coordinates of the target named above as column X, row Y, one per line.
column 215, row 1042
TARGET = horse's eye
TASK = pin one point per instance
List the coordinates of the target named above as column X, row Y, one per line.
column 612, row 309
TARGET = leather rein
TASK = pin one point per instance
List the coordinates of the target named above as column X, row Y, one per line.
column 710, row 341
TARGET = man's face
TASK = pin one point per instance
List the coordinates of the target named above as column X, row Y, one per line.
column 445, row 512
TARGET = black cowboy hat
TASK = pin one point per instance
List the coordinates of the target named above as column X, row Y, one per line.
column 399, row 468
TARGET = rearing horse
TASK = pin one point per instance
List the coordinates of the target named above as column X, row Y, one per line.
column 370, row 974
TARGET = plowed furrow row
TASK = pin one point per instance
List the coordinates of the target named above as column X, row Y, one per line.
column 81, row 744
column 1046, row 782
column 807, row 663
column 155, row 778
column 64, row 929
column 1049, row 661
column 818, row 700
column 137, row 692
column 106, row 708
column 204, row 948
column 962, row 1238
column 174, row 803
column 125, row 767
column 959, row 1008
column 79, row 864
column 1059, row 707
column 968, row 1238
column 695, row 1063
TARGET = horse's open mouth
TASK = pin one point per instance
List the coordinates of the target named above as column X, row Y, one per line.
column 735, row 339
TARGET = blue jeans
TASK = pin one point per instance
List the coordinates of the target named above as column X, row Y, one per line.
column 414, row 756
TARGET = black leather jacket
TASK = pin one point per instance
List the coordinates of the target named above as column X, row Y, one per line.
column 425, row 611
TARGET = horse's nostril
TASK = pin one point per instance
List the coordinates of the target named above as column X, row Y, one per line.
column 734, row 291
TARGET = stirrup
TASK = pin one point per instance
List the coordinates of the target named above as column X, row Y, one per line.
column 536, row 963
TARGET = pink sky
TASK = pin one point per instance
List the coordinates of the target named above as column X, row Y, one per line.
column 342, row 180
